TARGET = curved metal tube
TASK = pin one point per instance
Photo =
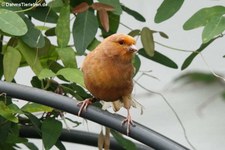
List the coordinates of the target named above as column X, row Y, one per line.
column 137, row 132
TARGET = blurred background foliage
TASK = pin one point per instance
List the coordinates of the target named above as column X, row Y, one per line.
column 25, row 43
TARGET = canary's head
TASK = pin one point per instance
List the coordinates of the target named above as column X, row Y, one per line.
column 120, row 46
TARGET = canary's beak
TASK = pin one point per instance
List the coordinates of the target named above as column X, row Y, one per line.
column 133, row 48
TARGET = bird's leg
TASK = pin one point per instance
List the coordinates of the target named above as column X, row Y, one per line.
column 84, row 104
column 128, row 120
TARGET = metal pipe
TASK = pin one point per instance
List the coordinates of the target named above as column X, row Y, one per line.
column 137, row 132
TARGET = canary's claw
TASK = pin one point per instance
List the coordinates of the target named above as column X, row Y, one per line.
column 84, row 104
column 129, row 122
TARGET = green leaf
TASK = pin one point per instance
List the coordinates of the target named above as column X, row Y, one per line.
column 159, row 58
column 46, row 73
column 137, row 64
column 7, row 113
column 215, row 26
column 44, row 14
column 93, row 44
column 125, row 143
column 134, row 33
column 67, row 55
column 33, row 37
column 34, row 107
column 115, row 4
column 206, row 78
column 72, row 75
column 148, row 41
column 84, row 30
column 51, row 130
column 63, row 27
column 30, row 55
column 167, row 9
column 12, row 23
column 133, row 13
column 35, row 121
column 202, row 17
column 30, row 146
column 50, row 32
column 191, row 57
column 164, row 35
column 11, row 62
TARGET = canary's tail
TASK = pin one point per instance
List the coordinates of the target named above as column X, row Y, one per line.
column 116, row 105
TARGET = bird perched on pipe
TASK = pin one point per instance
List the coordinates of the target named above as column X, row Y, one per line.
column 108, row 73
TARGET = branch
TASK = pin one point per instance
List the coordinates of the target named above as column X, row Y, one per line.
column 137, row 132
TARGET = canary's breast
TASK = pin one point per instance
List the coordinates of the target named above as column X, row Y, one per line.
column 106, row 78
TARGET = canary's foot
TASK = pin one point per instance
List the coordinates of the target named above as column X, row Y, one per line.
column 84, row 104
column 129, row 122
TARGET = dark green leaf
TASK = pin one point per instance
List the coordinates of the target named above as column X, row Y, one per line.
column 12, row 23
column 115, row 4
column 33, row 37
column 125, row 143
column 167, row 9
column 50, row 32
column 134, row 33
column 72, row 75
column 30, row 145
column 34, row 107
column 60, row 145
column 136, row 63
column 35, row 121
column 214, row 27
column 51, row 130
column 93, row 44
column 148, row 41
column 63, row 27
column 159, row 58
column 46, row 73
column 67, row 55
column 84, row 30
column 202, row 17
column 6, row 112
column 44, row 14
column 190, row 58
column 162, row 34
column 11, row 62
column 30, row 55
column 133, row 13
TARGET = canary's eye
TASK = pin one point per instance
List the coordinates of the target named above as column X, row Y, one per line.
column 121, row 42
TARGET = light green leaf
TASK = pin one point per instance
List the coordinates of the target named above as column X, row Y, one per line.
column 84, row 30
column 34, row 107
column 125, row 143
column 148, row 41
column 115, row 4
column 12, row 23
column 46, row 73
column 63, row 27
column 67, row 55
column 30, row 55
column 215, row 26
column 167, row 9
column 51, row 130
column 137, row 63
column 11, row 62
column 6, row 112
column 72, row 75
column 202, row 17
column 33, row 37
column 134, row 33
